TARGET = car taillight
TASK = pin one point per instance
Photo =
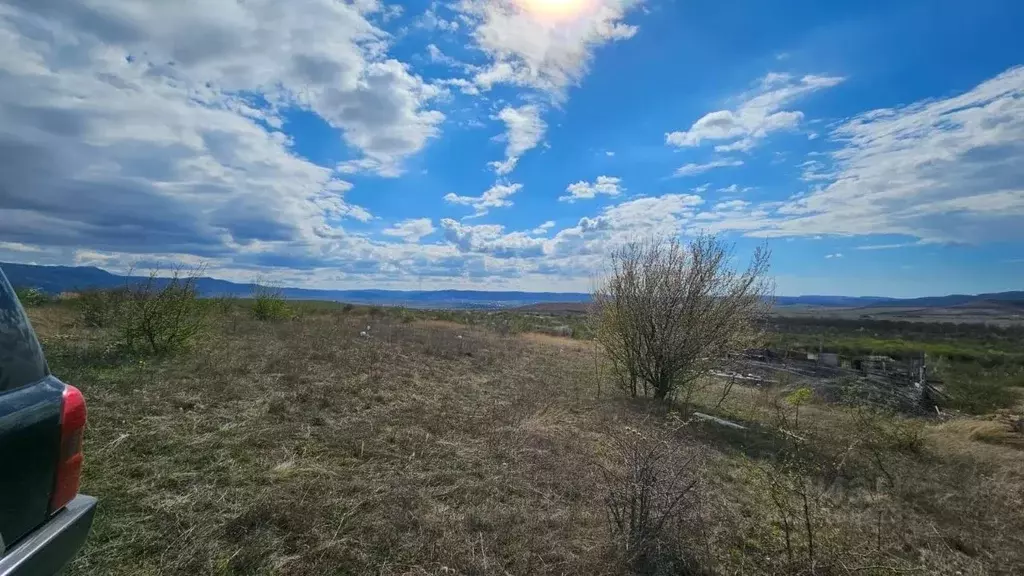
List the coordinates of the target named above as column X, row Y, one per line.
column 69, row 466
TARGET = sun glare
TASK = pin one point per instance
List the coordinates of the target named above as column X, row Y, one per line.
column 554, row 9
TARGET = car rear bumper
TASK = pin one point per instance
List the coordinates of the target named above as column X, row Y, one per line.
column 46, row 550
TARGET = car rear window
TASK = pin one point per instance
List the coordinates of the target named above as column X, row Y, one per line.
column 21, row 359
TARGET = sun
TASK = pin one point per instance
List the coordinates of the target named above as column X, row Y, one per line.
column 554, row 9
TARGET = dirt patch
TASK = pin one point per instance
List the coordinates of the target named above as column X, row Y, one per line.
column 559, row 341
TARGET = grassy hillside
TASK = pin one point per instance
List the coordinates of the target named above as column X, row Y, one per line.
column 370, row 441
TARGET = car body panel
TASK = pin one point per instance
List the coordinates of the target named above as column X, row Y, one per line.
column 33, row 538
column 49, row 548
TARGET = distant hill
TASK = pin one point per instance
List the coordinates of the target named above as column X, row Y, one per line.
column 57, row 279
column 833, row 301
column 998, row 298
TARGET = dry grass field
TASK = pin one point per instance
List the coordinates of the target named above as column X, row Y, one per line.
column 303, row 447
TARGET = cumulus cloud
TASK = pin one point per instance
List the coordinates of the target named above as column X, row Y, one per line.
column 756, row 117
column 667, row 214
column 731, row 205
column 578, row 250
column 491, row 239
column 693, row 169
column 432, row 21
column 530, row 44
column 607, row 185
column 149, row 127
column 524, row 129
column 411, row 230
column 494, row 197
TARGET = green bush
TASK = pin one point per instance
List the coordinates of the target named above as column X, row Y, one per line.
column 976, row 389
column 158, row 315
column 269, row 303
column 97, row 306
column 31, row 296
column 979, row 397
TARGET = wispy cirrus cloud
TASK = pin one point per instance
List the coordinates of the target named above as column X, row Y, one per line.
column 693, row 169
column 943, row 170
column 756, row 117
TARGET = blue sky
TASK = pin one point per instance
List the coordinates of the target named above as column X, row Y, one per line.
column 876, row 147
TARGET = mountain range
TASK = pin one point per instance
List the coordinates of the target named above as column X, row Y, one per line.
column 57, row 279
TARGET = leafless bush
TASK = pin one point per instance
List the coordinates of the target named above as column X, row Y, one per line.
column 651, row 500
column 670, row 312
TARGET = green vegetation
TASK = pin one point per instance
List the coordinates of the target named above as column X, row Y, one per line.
column 978, row 390
column 981, row 368
column 156, row 316
column 268, row 303
column 32, row 296
column 978, row 343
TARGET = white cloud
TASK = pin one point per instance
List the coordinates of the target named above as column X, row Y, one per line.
column 155, row 126
column 734, row 189
column 464, row 86
column 529, row 44
column 439, row 57
column 543, row 228
column 814, row 171
column 758, row 115
column 524, row 129
column 887, row 246
column 411, row 230
column 620, row 223
column 741, row 145
column 494, row 197
column 491, row 239
column 607, row 185
column 945, row 170
column 609, row 153
column 431, row 21
column 831, row 256
column 732, row 205
column 692, row 169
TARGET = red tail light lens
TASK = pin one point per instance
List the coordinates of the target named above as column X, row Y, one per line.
column 69, row 466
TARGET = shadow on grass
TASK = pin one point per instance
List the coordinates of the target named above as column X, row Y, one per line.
column 66, row 356
column 754, row 440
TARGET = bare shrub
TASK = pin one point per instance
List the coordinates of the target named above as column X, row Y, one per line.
column 158, row 315
column 670, row 312
column 269, row 303
column 651, row 500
